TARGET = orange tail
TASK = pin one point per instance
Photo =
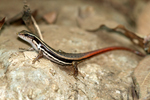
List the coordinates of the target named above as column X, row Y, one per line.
column 99, row 51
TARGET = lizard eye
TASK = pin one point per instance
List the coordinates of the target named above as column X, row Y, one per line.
column 25, row 34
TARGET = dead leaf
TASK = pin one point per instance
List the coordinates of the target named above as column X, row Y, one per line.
column 30, row 22
column 2, row 23
column 142, row 75
column 131, row 35
column 27, row 19
column 89, row 21
column 134, row 89
column 50, row 17
column 142, row 42
column 18, row 17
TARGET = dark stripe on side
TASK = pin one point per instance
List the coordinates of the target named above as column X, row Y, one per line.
column 56, row 56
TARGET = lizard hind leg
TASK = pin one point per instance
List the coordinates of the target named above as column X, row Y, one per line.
column 74, row 64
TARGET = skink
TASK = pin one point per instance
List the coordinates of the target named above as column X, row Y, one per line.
column 63, row 58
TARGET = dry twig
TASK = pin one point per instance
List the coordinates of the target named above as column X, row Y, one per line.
column 30, row 22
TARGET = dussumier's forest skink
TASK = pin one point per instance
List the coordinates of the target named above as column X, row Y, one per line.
column 63, row 58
